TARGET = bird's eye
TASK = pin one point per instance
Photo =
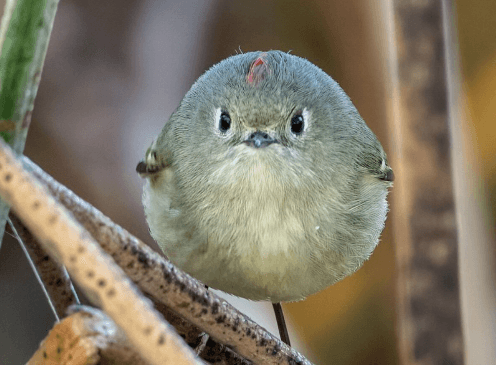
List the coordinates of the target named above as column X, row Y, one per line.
column 224, row 122
column 297, row 124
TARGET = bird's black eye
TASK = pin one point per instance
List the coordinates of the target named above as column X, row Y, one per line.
column 224, row 122
column 297, row 124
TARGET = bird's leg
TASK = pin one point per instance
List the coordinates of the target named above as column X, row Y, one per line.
column 281, row 323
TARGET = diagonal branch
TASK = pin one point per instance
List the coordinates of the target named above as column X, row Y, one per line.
column 61, row 295
column 93, row 270
column 157, row 277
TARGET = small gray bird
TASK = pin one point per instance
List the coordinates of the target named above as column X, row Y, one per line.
column 265, row 182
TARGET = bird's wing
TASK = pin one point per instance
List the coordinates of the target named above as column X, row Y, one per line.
column 154, row 161
column 374, row 160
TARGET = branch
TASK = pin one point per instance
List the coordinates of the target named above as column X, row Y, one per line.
column 167, row 284
column 93, row 270
column 86, row 337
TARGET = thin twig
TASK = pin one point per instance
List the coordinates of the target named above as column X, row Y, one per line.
column 34, row 269
column 55, row 280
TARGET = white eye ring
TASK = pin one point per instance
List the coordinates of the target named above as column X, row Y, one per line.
column 222, row 122
column 301, row 122
column 217, row 115
column 306, row 116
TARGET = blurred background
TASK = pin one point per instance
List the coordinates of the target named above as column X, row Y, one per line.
column 116, row 70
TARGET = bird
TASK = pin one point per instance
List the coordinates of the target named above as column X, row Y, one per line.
column 265, row 182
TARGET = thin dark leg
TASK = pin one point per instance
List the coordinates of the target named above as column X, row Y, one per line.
column 281, row 323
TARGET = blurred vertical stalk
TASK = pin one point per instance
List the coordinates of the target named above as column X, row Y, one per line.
column 477, row 240
column 428, row 305
column 24, row 35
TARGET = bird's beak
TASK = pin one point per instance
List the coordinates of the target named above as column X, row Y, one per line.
column 259, row 140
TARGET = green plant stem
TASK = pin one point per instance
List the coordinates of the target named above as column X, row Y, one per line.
column 24, row 35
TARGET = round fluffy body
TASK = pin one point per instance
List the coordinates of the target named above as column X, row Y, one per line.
column 277, row 222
